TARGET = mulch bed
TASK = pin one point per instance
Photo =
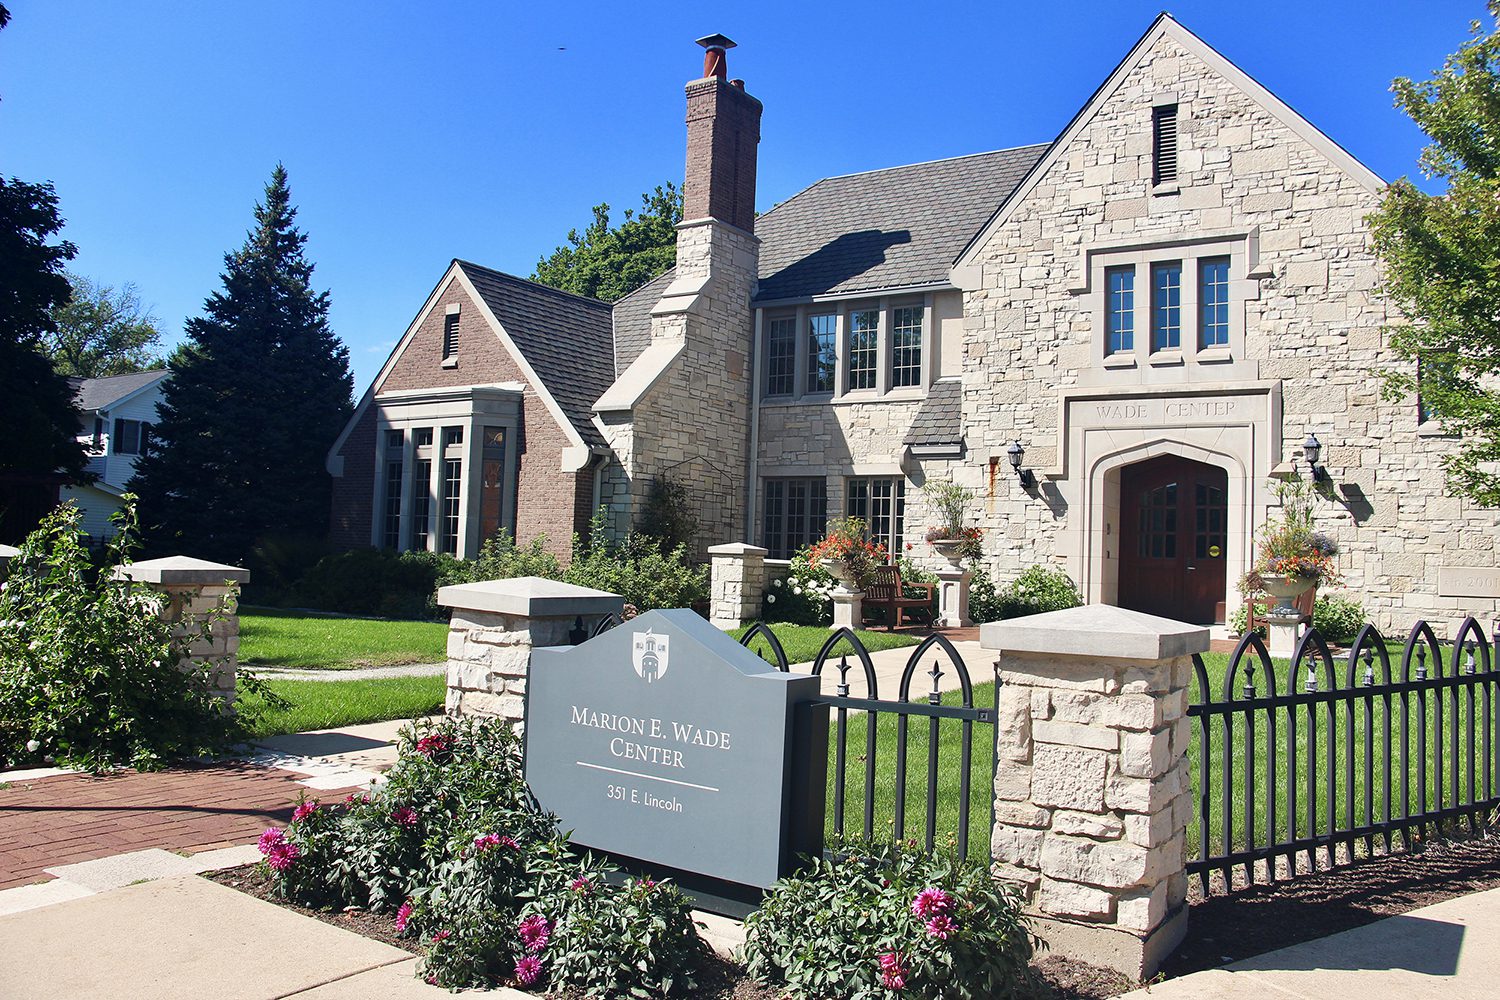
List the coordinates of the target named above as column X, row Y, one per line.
column 1221, row 929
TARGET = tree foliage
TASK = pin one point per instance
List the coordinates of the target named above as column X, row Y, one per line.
column 256, row 395
column 103, row 331
column 36, row 403
column 1442, row 259
column 609, row 263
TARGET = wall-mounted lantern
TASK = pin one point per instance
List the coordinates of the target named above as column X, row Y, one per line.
column 1017, row 454
column 1312, row 450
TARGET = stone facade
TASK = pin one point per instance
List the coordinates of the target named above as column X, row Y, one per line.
column 738, row 582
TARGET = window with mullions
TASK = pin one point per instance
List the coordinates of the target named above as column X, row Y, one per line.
column 881, row 504
column 453, row 484
column 1119, row 283
column 821, row 352
column 1213, row 302
column 906, row 346
column 781, row 356
column 421, row 489
column 393, row 469
column 794, row 514
column 864, row 334
column 1166, row 306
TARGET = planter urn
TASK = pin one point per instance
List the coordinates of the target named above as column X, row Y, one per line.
column 1285, row 589
column 839, row 569
column 950, row 549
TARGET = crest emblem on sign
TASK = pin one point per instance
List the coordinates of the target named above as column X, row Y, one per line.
column 649, row 655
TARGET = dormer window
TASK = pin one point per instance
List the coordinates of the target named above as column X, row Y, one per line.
column 1164, row 144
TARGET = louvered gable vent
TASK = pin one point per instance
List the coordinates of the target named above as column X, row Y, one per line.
column 1164, row 144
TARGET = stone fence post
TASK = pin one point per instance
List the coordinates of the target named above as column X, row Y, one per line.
column 201, row 600
column 739, row 583
column 7, row 553
column 494, row 627
column 1092, row 791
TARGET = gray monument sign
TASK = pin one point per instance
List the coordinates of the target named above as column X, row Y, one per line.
column 665, row 741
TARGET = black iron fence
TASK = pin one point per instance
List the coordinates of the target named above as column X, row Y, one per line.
column 866, row 731
column 1371, row 753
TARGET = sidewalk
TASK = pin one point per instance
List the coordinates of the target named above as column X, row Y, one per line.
column 1447, row 951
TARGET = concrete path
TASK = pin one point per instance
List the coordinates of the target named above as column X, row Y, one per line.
column 1448, row 951
column 354, row 674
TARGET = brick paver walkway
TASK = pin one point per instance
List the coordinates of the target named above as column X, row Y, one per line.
column 76, row 817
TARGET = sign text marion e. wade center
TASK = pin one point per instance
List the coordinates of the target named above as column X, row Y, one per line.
column 664, row 740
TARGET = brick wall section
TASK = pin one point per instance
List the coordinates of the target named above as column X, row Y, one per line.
column 723, row 131
column 547, row 498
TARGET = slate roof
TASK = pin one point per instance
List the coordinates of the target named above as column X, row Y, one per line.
column 891, row 228
column 102, row 393
column 567, row 339
column 938, row 420
column 633, row 319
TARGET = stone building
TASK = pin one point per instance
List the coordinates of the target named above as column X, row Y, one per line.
column 1160, row 307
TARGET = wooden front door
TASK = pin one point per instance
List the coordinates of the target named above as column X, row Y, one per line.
column 1174, row 514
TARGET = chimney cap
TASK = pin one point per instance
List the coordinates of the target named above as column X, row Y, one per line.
column 715, row 42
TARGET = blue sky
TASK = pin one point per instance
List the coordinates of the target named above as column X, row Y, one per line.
column 415, row 133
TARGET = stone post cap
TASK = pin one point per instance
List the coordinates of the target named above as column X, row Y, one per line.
column 10, row 551
column 183, row 570
column 737, row 549
column 530, row 597
column 1100, row 630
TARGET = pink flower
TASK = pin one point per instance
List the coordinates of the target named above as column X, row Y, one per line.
column 282, row 857
column 581, row 885
column 304, row 810
column 273, row 838
column 941, row 926
column 405, row 816
column 535, row 932
column 648, row 883
column 441, row 936
column 528, row 969
column 485, row 841
column 431, row 746
column 930, row 902
column 403, row 917
column 892, row 972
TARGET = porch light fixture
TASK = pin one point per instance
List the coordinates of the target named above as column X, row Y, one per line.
column 1017, row 454
column 1312, row 450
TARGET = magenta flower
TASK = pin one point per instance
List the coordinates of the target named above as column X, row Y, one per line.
column 431, row 746
column 403, row 917
column 528, row 969
column 941, row 926
column 581, row 885
column 304, row 810
column 405, row 816
column 441, row 936
column 485, row 841
column 535, row 932
column 930, row 902
column 272, row 838
column 892, row 971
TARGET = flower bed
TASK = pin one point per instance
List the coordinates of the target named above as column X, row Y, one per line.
column 453, row 845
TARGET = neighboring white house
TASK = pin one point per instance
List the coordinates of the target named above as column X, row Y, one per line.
column 118, row 413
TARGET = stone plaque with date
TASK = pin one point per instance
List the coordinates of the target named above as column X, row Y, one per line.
column 665, row 741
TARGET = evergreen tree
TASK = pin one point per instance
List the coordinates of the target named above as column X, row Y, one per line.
column 1442, row 260
column 255, row 397
column 609, row 264
column 37, row 409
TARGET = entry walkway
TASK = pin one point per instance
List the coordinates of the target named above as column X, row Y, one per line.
column 1447, row 951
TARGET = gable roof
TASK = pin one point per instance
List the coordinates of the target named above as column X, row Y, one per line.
column 1164, row 26
column 567, row 339
column 102, row 393
column 892, row 228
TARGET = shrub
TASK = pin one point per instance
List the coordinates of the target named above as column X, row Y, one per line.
column 379, row 582
column 1338, row 617
column 667, row 515
column 1037, row 590
column 636, row 568
column 888, row 919
column 89, row 671
column 984, row 602
column 501, row 558
column 1239, row 618
column 455, row 846
column 802, row 597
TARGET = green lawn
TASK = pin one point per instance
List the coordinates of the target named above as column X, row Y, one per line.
column 329, row 704
column 275, row 638
column 802, row 642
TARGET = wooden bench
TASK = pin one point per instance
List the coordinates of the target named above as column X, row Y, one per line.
column 888, row 592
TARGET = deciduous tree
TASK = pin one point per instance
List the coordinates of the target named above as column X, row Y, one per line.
column 1442, row 259
column 256, row 395
column 609, row 263
column 103, row 331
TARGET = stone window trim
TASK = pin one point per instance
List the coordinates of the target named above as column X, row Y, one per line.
column 1245, row 272
column 841, row 309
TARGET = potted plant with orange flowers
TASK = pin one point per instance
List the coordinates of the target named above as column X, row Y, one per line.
column 1292, row 557
column 847, row 554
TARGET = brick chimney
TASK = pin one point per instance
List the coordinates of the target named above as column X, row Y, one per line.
column 723, row 132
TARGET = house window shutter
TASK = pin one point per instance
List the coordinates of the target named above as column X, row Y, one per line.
column 450, row 336
column 1164, row 144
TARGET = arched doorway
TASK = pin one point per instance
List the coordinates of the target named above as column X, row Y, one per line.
column 1174, row 539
